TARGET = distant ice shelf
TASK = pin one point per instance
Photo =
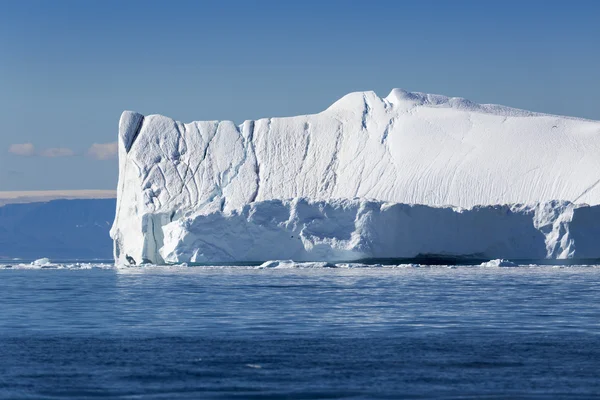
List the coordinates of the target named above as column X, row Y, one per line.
column 368, row 177
column 57, row 229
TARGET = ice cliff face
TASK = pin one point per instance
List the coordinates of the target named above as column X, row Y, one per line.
column 176, row 179
column 306, row 230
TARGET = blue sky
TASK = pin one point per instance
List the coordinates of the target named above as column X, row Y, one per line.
column 69, row 68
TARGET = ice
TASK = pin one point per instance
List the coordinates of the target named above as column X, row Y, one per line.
column 499, row 263
column 276, row 264
column 186, row 191
column 307, row 230
column 41, row 262
column 293, row 264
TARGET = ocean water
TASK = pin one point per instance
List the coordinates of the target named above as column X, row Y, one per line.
column 88, row 331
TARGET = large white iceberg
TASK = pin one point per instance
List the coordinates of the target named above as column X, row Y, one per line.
column 342, row 184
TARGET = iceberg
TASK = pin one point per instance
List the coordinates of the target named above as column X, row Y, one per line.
column 498, row 263
column 336, row 230
column 406, row 175
column 41, row 262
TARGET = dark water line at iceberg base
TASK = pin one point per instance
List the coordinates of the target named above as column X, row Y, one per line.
column 455, row 261
column 424, row 260
column 419, row 260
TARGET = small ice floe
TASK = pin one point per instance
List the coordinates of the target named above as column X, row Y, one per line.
column 283, row 264
column 276, row 264
column 41, row 262
column 411, row 265
column 316, row 264
column 499, row 262
column 255, row 366
column 45, row 263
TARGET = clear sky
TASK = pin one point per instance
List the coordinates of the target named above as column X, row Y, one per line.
column 69, row 68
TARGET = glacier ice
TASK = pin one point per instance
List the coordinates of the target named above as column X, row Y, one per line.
column 333, row 230
column 400, row 176
column 498, row 263
column 41, row 262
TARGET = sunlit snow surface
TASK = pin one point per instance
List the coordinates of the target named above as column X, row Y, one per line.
column 272, row 178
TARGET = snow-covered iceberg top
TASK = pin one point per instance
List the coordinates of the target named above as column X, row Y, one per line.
column 410, row 148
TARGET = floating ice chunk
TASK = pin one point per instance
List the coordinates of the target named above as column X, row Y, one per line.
column 41, row 262
column 277, row 264
column 499, row 263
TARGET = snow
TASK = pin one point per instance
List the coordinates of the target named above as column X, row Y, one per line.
column 283, row 264
column 498, row 263
column 185, row 187
column 41, row 262
column 305, row 230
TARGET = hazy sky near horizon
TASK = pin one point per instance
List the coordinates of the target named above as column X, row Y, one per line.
column 69, row 68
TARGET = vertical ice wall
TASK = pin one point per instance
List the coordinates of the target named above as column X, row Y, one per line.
column 406, row 148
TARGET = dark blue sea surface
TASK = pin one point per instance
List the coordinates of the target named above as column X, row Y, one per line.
column 300, row 333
